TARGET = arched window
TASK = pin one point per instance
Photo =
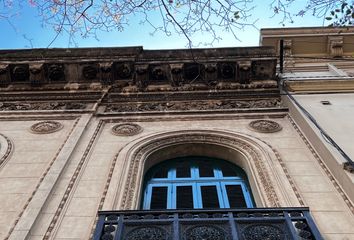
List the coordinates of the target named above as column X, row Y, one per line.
column 196, row 182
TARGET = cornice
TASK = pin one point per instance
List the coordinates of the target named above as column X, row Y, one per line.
column 135, row 70
column 320, row 85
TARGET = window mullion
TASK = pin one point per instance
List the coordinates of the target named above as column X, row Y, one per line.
column 171, row 202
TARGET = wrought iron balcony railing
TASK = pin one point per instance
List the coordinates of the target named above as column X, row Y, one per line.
column 222, row 224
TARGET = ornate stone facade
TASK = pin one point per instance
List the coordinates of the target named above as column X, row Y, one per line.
column 127, row 109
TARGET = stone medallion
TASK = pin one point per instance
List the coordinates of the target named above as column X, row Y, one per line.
column 126, row 129
column 46, row 127
column 265, row 126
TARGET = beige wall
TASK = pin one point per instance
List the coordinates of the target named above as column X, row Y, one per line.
column 52, row 185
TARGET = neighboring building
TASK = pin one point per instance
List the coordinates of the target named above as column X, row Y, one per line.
column 104, row 129
column 318, row 88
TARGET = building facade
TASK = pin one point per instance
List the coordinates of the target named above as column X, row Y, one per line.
column 96, row 143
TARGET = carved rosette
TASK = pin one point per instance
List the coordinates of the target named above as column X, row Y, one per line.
column 265, row 126
column 147, row 233
column 263, row 232
column 46, row 127
column 205, row 232
column 126, row 129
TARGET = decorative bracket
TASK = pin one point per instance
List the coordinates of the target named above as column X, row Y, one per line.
column 141, row 75
column 176, row 74
column 36, row 74
column 210, row 73
column 244, row 72
column 106, row 72
column 335, row 46
column 288, row 47
column 4, row 75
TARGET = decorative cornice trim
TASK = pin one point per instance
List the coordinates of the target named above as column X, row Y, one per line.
column 320, row 85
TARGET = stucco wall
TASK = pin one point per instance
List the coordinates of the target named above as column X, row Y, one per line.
column 93, row 173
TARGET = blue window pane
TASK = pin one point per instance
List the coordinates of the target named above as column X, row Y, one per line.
column 210, row 197
column 235, row 196
column 158, row 198
column 228, row 171
column 183, row 169
column 161, row 172
column 206, row 169
column 184, row 197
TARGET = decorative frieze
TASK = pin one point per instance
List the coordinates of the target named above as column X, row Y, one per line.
column 193, row 105
column 141, row 70
column 183, row 76
column 265, row 126
column 18, row 106
column 46, row 127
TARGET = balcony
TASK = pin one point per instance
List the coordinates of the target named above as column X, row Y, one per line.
column 221, row 224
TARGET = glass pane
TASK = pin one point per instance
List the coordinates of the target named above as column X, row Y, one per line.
column 184, row 197
column 159, row 198
column 161, row 172
column 206, row 169
column 228, row 171
column 235, row 196
column 183, row 169
column 210, row 197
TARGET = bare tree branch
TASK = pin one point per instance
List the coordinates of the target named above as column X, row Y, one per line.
column 188, row 18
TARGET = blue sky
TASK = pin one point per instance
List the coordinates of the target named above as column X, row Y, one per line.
column 26, row 32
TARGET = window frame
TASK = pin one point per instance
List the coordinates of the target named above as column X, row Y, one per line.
column 172, row 182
